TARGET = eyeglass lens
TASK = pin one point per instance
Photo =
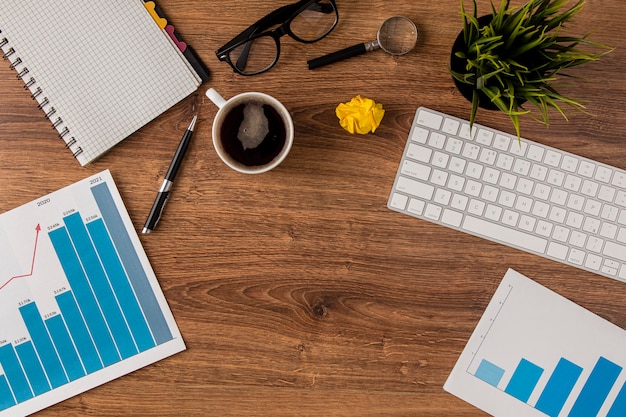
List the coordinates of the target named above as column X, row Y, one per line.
column 260, row 53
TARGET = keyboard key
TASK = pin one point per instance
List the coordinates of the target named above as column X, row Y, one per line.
column 620, row 200
column 615, row 250
column 415, row 188
column 518, row 147
column 557, row 250
column 603, row 174
column 442, row 197
column 419, row 135
column 452, row 217
column 586, row 169
column 465, row 132
column 399, row 201
column 527, row 223
column 456, row 182
column 606, row 193
column 436, row 140
column 593, row 262
column 419, row 153
column 576, row 257
column 471, row 151
column 508, row 235
column 535, row 153
column 454, row 146
column 502, row 142
column 415, row 170
column 416, row 206
column 450, row 126
column 459, row 202
column 429, row 119
column 552, row 158
column 569, row 164
column 619, row 180
column 484, row 137
column 432, row 212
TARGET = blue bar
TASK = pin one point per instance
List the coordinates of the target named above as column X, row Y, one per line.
column 100, row 285
column 84, row 296
column 43, row 344
column 32, row 367
column 132, row 264
column 6, row 397
column 65, row 347
column 14, row 373
column 524, row 380
column 596, row 389
column 80, row 334
column 558, row 388
column 121, row 286
column 489, row 373
column 618, row 409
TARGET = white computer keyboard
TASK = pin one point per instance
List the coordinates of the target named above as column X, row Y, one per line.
column 530, row 196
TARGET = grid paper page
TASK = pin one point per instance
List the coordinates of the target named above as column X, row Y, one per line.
column 104, row 65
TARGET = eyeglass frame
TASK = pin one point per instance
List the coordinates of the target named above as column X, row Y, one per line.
column 273, row 18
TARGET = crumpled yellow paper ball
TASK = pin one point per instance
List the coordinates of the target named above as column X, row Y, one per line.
column 360, row 115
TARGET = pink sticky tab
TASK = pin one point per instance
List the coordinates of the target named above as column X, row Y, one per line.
column 180, row 44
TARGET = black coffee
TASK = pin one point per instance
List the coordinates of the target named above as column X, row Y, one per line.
column 253, row 133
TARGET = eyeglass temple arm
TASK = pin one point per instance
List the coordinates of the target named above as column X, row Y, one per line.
column 275, row 17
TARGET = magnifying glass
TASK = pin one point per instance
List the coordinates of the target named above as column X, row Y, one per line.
column 396, row 36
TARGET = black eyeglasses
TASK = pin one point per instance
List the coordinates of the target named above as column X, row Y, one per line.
column 256, row 50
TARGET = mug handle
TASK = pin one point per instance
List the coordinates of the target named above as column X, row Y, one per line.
column 215, row 97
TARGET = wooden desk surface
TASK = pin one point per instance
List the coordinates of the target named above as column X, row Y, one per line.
column 297, row 291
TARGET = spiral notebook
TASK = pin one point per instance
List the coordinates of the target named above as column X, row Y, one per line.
column 99, row 70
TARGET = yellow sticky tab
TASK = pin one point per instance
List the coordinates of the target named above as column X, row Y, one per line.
column 360, row 115
column 151, row 6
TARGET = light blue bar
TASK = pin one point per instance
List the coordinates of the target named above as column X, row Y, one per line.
column 84, row 296
column 618, row 409
column 121, row 286
column 596, row 389
column 558, row 388
column 43, row 344
column 490, row 373
column 32, row 367
column 15, row 374
column 100, row 285
column 79, row 332
column 524, row 380
column 6, row 396
column 65, row 347
column 132, row 264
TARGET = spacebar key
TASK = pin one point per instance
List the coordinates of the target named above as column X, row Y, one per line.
column 500, row 233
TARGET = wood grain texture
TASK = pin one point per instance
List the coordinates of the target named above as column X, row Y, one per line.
column 297, row 291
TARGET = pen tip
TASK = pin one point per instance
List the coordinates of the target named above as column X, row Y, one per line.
column 145, row 231
column 193, row 123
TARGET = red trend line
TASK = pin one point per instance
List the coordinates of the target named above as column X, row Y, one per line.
column 32, row 264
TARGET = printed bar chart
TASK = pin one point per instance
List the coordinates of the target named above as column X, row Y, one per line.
column 559, row 386
column 89, row 302
column 535, row 353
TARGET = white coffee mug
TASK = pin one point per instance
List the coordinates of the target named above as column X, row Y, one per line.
column 252, row 132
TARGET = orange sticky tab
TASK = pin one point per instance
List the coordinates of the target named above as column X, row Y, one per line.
column 151, row 6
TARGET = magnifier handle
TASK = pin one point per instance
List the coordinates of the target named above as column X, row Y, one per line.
column 337, row 56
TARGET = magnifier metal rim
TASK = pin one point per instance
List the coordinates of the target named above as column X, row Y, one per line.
column 386, row 22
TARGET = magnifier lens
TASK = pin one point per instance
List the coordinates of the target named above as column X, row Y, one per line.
column 397, row 35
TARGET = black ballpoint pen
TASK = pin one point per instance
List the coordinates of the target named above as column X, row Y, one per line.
column 164, row 191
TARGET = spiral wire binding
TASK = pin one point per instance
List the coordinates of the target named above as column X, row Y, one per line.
column 30, row 84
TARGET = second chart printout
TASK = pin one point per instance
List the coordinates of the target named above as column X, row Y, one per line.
column 535, row 353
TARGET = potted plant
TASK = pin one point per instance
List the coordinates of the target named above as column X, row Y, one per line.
column 509, row 60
